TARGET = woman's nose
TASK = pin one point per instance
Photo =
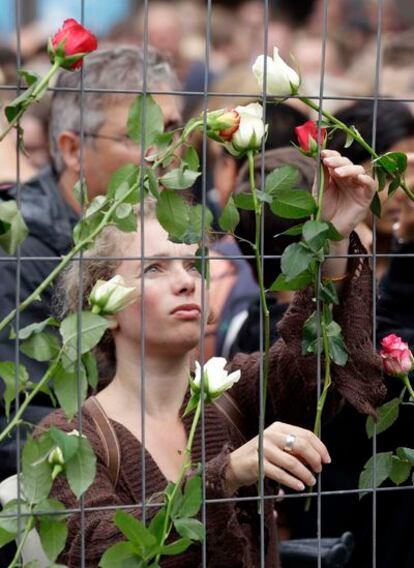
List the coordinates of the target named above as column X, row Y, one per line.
column 184, row 282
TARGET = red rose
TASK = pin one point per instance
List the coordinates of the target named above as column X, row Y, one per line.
column 308, row 137
column 71, row 43
column 396, row 356
column 231, row 120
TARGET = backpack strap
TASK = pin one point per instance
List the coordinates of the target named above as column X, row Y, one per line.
column 107, row 435
column 229, row 408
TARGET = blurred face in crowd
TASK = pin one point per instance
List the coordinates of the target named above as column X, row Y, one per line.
column 391, row 207
column 110, row 148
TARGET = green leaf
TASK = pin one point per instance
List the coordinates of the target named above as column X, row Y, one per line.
column 191, row 158
column 92, row 328
column 293, row 204
column 199, row 218
column 80, row 191
column 8, row 374
column 294, row 231
column 393, row 162
column 53, row 506
column 406, row 454
column 315, row 234
column 65, row 386
column 145, row 120
column 41, row 346
column 69, row 444
column 9, row 524
column 13, row 229
column 263, row 197
column 125, row 218
column 91, row 369
column 387, row 415
column 400, row 470
column 230, row 217
column 136, row 533
column 383, row 462
column 333, row 234
column 296, row 258
column 53, row 537
column 5, row 537
column 327, row 292
column 151, row 181
column 310, row 334
column 179, row 178
column 20, row 102
column 172, row 213
column 29, row 76
column 199, row 255
column 192, row 498
column 176, row 500
column 127, row 174
column 337, row 349
column 244, row 201
column 157, row 524
column 284, row 178
column 381, row 177
column 349, row 140
column 190, row 528
column 297, row 283
column 394, row 185
column 37, row 472
column 376, row 206
column 121, row 555
column 81, row 468
column 176, row 547
column 29, row 330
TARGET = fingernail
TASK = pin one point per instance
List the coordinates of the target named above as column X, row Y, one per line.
column 300, row 486
column 313, row 481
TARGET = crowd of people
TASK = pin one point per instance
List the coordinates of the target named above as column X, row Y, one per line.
column 72, row 133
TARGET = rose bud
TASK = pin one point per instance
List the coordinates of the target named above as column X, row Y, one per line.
column 251, row 129
column 111, row 296
column 230, row 123
column 55, row 458
column 396, row 356
column 216, row 379
column 70, row 45
column 307, row 135
column 281, row 80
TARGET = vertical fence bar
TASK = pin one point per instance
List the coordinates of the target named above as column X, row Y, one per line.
column 374, row 268
column 18, row 286
column 318, row 307
column 80, row 292
column 142, row 257
column 203, row 265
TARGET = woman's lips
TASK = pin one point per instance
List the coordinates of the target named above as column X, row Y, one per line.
column 187, row 312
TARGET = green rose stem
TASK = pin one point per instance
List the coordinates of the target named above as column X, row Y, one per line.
column 184, row 468
column 258, row 208
column 17, row 418
column 407, row 384
column 66, row 259
column 22, row 542
column 40, row 87
column 325, row 342
column 355, row 135
column 181, row 140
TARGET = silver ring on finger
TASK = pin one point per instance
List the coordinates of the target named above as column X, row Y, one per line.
column 289, row 443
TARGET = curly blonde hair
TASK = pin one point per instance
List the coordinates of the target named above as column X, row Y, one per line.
column 99, row 262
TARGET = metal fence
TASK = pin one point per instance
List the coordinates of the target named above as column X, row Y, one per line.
column 207, row 93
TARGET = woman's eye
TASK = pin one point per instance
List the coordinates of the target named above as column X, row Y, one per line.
column 192, row 266
column 152, row 268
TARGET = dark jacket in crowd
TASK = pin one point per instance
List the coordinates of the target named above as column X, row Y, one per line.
column 50, row 221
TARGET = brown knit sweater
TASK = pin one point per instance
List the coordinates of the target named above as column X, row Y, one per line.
column 233, row 528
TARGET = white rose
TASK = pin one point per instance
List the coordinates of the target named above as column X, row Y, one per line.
column 251, row 129
column 216, row 378
column 281, row 80
column 111, row 296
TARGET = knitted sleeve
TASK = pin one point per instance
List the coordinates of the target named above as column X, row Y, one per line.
column 293, row 376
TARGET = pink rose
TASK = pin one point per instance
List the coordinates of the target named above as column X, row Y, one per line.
column 396, row 355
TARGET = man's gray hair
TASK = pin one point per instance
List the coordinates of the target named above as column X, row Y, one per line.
column 117, row 68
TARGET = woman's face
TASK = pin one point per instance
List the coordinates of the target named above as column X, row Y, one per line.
column 171, row 287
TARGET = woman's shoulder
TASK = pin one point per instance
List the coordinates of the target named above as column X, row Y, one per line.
column 81, row 422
